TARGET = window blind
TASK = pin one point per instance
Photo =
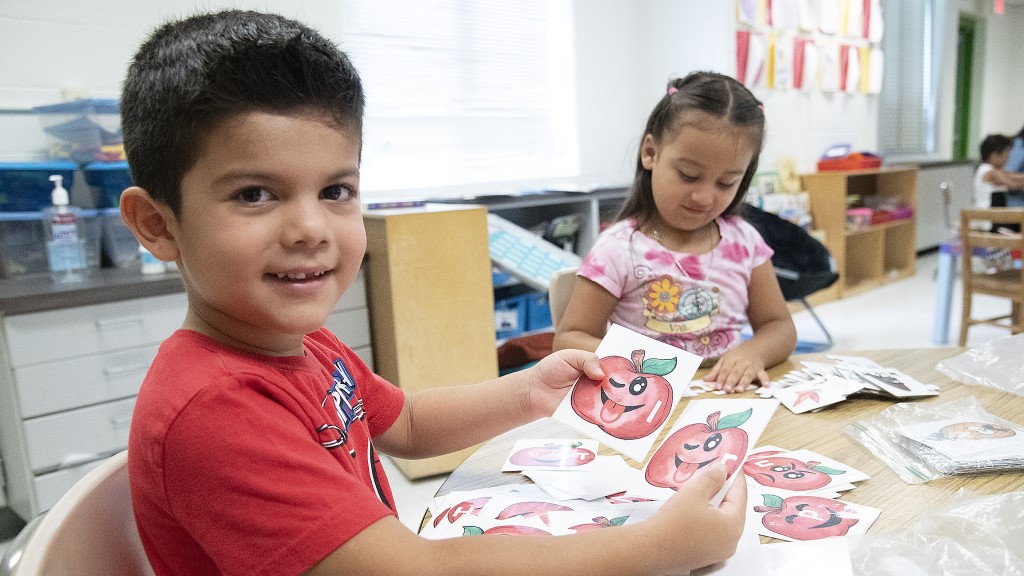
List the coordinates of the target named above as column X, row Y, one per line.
column 908, row 102
column 463, row 91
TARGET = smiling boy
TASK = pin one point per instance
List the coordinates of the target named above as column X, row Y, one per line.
column 253, row 447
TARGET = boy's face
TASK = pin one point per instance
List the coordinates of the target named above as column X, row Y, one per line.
column 271, row 232
column 999, row 159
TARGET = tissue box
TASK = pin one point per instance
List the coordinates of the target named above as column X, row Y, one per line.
column 83, row 130
column 26, row 186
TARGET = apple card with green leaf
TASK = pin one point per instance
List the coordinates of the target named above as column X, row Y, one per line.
column 644, row 380
column 552, row 454
column 800, row 471
column 807, row 517
column 708, row 431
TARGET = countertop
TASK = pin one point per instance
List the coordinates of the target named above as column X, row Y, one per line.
column 38, row 292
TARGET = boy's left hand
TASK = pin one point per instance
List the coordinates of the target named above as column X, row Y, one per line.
column 550, row 378
column 736, row 370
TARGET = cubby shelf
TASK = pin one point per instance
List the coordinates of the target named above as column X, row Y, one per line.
column 875, row 255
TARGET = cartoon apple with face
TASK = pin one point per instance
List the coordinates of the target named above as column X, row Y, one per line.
column 694, row 446
column 973, row 431
column 806, row 517
column 632, row 401
column 552, row 454
column 509, row 530
column 532, row 510
column 471, row 507
column 598, row 523
column 789, row 473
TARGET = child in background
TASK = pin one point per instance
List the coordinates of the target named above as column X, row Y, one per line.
column 990, row 178
column 253, row 446
column 679, row 264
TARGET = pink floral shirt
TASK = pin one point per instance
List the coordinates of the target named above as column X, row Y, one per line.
column 700, row 310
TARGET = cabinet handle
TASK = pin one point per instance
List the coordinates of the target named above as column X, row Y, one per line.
column 122, row 370
column 103, row 324
column 122, row 422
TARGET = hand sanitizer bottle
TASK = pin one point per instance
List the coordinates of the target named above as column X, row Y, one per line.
column 65, row 246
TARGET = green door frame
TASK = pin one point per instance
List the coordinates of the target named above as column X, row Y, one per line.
column 966, row 34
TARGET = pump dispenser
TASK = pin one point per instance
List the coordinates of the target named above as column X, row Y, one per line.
column 65, row 245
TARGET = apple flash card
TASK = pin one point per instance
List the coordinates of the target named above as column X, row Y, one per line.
column 808, row 517
column 707, row 431
column 644, row 380
column 558, row 454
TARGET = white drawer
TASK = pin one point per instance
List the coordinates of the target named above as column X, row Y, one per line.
column 58, row 386
column 352, row 327
column 83, row 330
column 50, row 487
column 78, row 435
column 355, row 296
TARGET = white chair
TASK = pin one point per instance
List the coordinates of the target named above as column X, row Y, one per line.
column 559, row 291
column 89, row 532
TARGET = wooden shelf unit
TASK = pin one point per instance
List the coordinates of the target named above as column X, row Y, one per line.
column 874, row 256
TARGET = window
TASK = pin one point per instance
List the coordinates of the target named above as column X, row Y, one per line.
column 908, row 104
column 463, row 91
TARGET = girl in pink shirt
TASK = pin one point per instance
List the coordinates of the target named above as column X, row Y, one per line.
column 679, row 264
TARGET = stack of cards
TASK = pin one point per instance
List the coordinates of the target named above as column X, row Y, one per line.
column 792, row 495
column 525, row 509
column 967, row 445
column 820, row 384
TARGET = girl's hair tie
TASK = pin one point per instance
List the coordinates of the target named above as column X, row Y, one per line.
column 672, row 90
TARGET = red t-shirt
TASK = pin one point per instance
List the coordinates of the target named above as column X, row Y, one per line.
column 249, row 464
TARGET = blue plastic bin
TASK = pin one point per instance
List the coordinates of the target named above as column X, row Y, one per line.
column 26, row 186
column 23, row 242
column 510, row 317
column 538, row 312
column 120, row 247
column 81, row 128
column 111, row 178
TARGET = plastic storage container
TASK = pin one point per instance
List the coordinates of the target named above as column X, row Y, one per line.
column 120, row 248
column 110, row 178
column 23, row 242
column 83, row 130
column 26, row 186
column 510, row 316
column 538, row 311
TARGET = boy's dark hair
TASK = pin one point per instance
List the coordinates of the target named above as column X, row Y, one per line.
column 994, row 144
column 714, row 94
column 192, row 74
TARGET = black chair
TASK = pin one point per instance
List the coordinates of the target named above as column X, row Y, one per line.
column 802, row 264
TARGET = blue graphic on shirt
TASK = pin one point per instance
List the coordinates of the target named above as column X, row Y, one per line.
column 342, row 393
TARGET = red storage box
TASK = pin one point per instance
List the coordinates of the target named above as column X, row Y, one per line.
column 852, row 161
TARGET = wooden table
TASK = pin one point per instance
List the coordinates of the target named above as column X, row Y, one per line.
column 901, row 504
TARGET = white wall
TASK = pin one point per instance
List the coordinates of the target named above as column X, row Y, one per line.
column 626, row 51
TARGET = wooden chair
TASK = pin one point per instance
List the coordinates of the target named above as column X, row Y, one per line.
column 559, row 292
column 1003, row 282
column 89, row 532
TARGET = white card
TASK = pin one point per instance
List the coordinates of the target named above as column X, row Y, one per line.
column 551, row 454
column 708, row 431
column 607, row 475
column 807, row 517
column 644, row 379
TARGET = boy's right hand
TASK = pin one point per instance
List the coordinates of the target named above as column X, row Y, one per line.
column 692, row 531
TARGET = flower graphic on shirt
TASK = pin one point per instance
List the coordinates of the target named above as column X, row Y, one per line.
column 709, row 343
column 662, row 296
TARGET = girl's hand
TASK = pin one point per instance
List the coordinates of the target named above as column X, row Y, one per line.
column 736, row 370
column 550, row 378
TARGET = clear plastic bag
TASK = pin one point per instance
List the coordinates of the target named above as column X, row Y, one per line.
column 974, row 536
column 920, row 442
column 998, row 363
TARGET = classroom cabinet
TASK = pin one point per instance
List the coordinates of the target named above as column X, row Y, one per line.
column 873, row 254
column 69, row 377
